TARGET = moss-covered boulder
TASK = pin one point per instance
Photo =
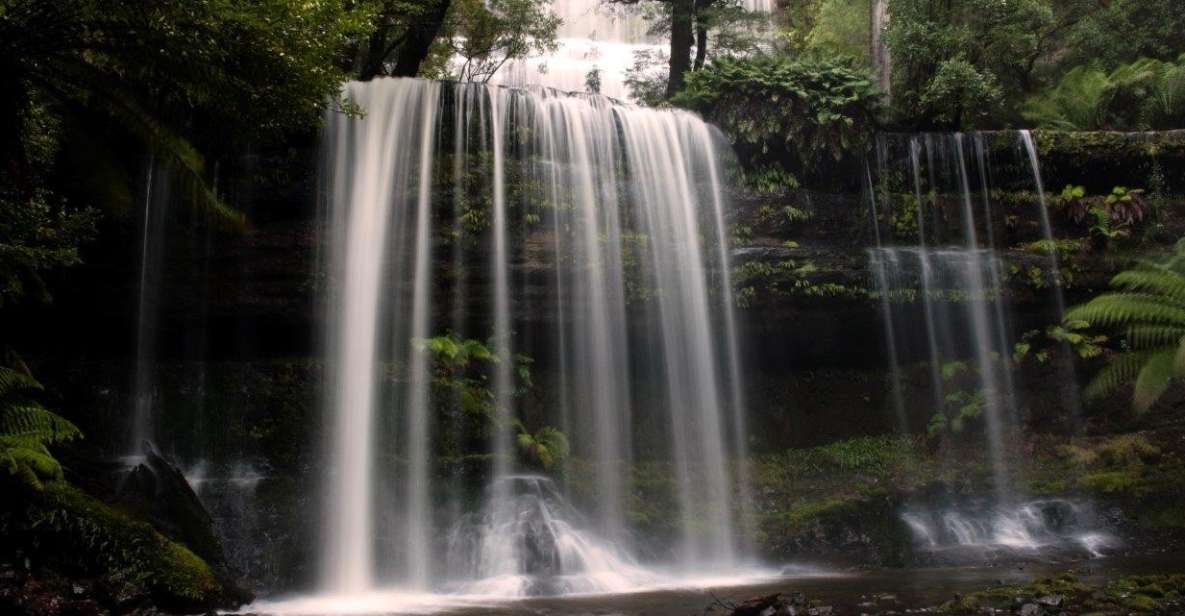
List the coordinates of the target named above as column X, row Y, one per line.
column 61, row 530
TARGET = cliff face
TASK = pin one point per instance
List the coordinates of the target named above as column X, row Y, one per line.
column 239, row 316
column 807, row 301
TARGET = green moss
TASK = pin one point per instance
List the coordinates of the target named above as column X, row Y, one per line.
column 68, row 528
column 807, row 512
column 1134, row 594
column 1128, row 480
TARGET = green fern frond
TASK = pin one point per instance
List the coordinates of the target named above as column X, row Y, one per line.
column 30, row 463
column 1158, row 282
column 1117, row 309
column 13, row 382
column 27, row 429
column 1149, row 337
column 1155, row 377
column 1120, row 371
column 33, row 422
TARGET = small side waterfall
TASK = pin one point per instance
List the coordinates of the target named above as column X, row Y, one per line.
column 157, row 196
column 613, row 198
column 945, row 296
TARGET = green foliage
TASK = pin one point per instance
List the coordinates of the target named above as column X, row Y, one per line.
column 646, row 80
column 545, row 449
column 963, row 402
column 874, row 455
column 1147, row 94
column 27, row 430
column 956, row 63
column 1147, row 305
column 1072, row 202
column 904, row 221
column 769, row 179
column 1077, row 102
column 489, row 34
column 461, row 370
column 784, row 218
column 785, row 278
column 38, row 235
column 159, row 71
column 1125, row 206
column 1061, row 247
column 841, row 27
column 796, row 112
column 960, row 95
column 1041, row 344
column 1120, row 31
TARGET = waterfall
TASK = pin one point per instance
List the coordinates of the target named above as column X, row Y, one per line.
column 157, row 195
column 371, row 178
column 1030, row 148
column 596, row 37
column 944, row 298
column 613, row 198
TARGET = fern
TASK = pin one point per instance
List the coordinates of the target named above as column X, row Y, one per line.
column 1148, row 304
column 27, row 429
column 1147, row 94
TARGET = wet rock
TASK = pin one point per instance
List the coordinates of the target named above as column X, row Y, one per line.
column 1050, row 600
column 157, row 490
column 1030, row 609
column 778, row 604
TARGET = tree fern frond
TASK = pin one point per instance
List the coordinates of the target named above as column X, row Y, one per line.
column 1179, row 359
column 34, row 422
column 13, row 382
column 1150, row 337
column 1158, row 282
column 30, row 463
column 1121, row 370
column 1155, row 377
column 1128, row 308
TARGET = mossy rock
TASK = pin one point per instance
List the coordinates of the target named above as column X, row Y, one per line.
column 64, row 529
column 1066, row 594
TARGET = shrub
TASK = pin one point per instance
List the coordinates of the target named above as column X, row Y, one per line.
column 1144, row 95
column 796, row 112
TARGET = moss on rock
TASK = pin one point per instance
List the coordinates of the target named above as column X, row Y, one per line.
column 64, row 529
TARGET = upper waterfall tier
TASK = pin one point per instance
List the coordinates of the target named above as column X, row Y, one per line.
column 596, row 36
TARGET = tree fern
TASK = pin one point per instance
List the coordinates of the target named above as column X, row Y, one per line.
column 1147, row 303
column 27, row 429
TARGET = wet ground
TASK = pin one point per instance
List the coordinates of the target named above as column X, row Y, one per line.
column 860, row 592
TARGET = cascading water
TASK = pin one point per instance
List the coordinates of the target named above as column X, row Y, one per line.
column 635, row 201
column 596, row 38
column 1029, row 527
column 958, row 289
column 945, row 302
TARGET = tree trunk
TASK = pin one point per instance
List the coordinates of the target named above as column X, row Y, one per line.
column 882, row 62
column 701, row 46
column 682, row 37
column 701, row 32
column 419, row 39
column 374, row 63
